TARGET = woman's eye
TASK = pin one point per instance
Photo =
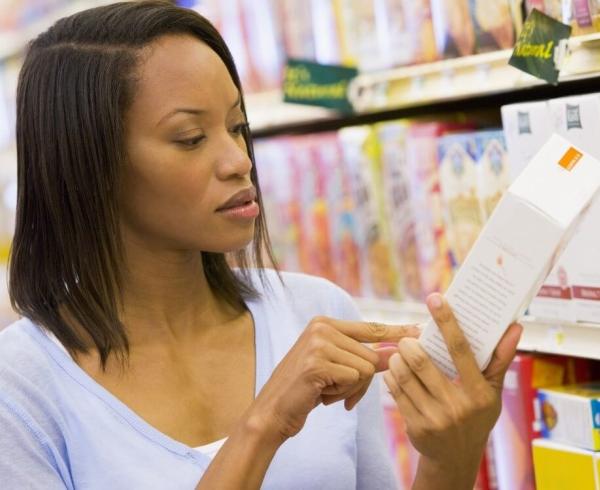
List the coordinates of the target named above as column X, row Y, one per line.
column 240, row 128
column 190, row 142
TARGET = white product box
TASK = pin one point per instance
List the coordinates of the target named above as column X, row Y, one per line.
column 527, row 127
column 517, row 249
column 578, row 120
column 554, row 301
column 571, row 414
column 583, row 262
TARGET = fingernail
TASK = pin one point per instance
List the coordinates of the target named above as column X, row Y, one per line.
column 434, row 301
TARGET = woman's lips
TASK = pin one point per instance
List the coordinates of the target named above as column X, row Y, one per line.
column 246, row 211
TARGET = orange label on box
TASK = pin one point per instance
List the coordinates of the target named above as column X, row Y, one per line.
column 570, row 159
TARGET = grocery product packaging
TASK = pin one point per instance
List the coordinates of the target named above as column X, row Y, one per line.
column 314, row 240
column 362, row 161
column 459, row 176
column 517, row 425
column 496, row 23
column 274, row 167
column 422, row 158
column 420, row 30
column 561, row 467
column 454, row 28
column 571, row 414
column 493, row 166
column 517, row 248
column 583, row 259
column 345, row 251
column 297, row 31
column 577, row 118
column 399, row 212
column 527, row 126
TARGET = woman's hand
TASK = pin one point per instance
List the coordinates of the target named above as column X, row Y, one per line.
column 327, row 363
column 448, row 421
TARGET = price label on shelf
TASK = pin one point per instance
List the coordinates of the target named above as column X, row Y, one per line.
column 540, row 46
column 556, row 337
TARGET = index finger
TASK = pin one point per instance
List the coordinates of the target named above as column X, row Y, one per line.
column 371, row 332
column 456, row 342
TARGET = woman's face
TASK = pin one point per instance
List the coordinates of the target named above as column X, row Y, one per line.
column 186, row 154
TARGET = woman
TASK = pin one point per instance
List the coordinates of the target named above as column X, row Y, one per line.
column 143, row 360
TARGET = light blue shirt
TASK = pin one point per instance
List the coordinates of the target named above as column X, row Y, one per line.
column 60, row 429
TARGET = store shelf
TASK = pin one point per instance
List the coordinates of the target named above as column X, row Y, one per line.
column 471, row 83
column 465, row 77
column 14, row 42
column 544, row 336
column 267, row 112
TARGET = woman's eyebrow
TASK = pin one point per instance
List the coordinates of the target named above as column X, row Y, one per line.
column 194, row 111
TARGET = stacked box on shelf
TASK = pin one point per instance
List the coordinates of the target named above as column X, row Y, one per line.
column 496, row 22
column 582, row 15
column 435, row 266
column 399, row 212
column 334, row 187
column 282, row 212
column 344, row 227
column 362, row 162
column 518, row 424
column 461, row 201
column 578, row 119
column 251, row 30
column 494, row 172
column 310, row 173
column 262, row 38
column 571, row 415
column 377, row 35
column 561, row 467
column 325, row 29
column 420, row 20
column 296, row 29
column 527, row 126
column 465, row 27
column 454, row 29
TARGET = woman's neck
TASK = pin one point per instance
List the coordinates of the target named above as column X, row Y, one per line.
column 167, row 297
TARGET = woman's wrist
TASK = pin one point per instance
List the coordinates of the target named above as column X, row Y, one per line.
column 458, row 474
column 258, row 426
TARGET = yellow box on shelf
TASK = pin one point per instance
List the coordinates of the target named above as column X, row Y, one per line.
column 560, row 467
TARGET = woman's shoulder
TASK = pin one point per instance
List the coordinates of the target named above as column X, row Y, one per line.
column 26, row 368
column 311, row 295
column 18, row 347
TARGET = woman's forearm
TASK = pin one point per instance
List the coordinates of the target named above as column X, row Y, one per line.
column 244, row 459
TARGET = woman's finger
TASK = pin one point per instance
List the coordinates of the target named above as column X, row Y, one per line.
column 372, row 332
column 409, row 383
column 347, row 393
column 338, row 375
column 384, row 353
column 405, row 405
column 354, row 346
column 353, row 399
column 458, row 345
column 503, row 355
column 345, row 358
column 432, row 379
